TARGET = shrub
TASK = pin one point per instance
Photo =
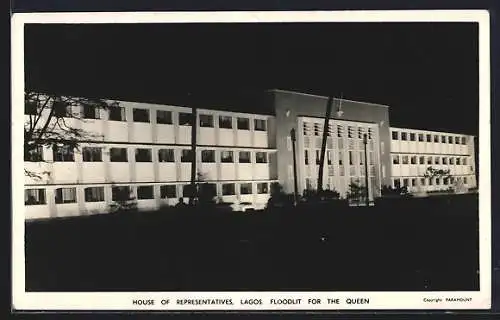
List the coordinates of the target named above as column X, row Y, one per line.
column 388, row 191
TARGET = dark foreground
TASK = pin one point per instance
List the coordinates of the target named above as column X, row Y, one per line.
column 418, row 244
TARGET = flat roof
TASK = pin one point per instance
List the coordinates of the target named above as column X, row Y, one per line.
column 325, row 97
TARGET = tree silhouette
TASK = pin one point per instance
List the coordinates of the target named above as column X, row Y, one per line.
column 47, row 122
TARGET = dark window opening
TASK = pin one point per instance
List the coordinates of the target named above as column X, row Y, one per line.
column 118, row 155
column 141, row 115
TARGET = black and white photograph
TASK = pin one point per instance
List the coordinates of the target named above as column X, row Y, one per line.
column 246, row 161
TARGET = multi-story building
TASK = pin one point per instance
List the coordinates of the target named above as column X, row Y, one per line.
column 144, row 149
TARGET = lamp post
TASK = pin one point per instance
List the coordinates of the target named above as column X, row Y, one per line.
column 295, row 183
column 365, row 141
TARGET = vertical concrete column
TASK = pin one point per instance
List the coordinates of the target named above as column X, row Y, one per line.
column 131, row 150
column 217, row 129
column 51, row 201
column 104, row 115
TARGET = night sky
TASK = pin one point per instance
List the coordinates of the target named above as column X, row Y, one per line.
column 427, row 73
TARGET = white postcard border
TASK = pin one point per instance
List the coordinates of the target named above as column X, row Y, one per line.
column 22, row 300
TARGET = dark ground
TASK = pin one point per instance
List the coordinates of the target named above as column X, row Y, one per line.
column 418, row 244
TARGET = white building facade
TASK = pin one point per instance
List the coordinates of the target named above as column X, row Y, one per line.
column 414, row 151
column 145, row 150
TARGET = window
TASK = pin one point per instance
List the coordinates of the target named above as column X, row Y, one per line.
column 92, row 154
column 397, row 183
column 206, row 121
column 465, row 180
column 262, row 187
column 145, row 192
column 404, row 136
column 117, row 114
column 34, row 197
column 246, row 188
column 122, row 193
column 463, row 140
column 166, row 155
column 395, row 159
column 143, row 155
column 360, row 133
column 243, row 124
column 329, row 157
column 186, row 155
column 91, row 112
column 185, row 119
column 464, row 161
column 260, row 125
column 458, row 161
column 436, row 138
column 350, row 132
column 413, row 160
column 33, row 153
column 118, row 155
column 443, row 140
column 421, row 137
column 412, row 136
column 168, row 191
column 94, row 194
column 306, row 156
column 429, row 160
column 405, row 182
column 330, row 130
column 305, row 129
column 413, row 182
column 351, row 158
column 438, row 181
column 405, row 159
column 444, row 160
column 225, row 122
column 421, row 160
column 63, row 153
column 318, row 156
column 62, row 109
column 316, row 129
column 450, row 139
column 65, row 195
column 244, row 157
column 428, row 137
column 436, row 160
column 422, row 181
column 445, row 181
column 361, row 157
column 340, row 131
column 452, row 160
column 457, row 140
column 341, row 158
column 208, row 156
column 261, row 157
column 370, row 133
column 187, row 191
column 164, row 117
column 141, row 115
column 226, row 156
column 431, row 181
column 228, row 189
column 30, row 108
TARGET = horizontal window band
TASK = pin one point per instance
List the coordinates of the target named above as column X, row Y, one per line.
column 431, row 154
column 451, row 175
column 176, row 145
column 148, row 183
column 434, row 143
column 335, row 120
